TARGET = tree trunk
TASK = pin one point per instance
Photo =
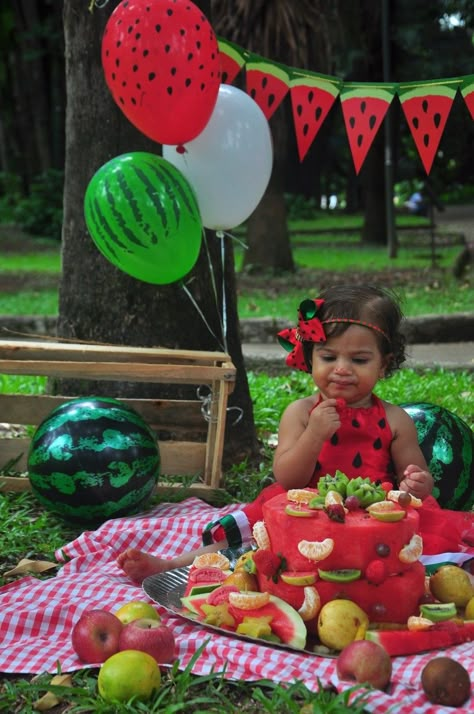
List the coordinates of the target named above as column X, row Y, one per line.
column 268, row 238
column 373, row 194
column 97, row 301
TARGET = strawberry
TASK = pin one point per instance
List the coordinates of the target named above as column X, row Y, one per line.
column 375, row 572
column 336, row 512
column 266, row 562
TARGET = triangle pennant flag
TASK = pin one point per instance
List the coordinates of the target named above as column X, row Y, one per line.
column 267, row 83
column 364, row 107
column 312, row 96
column 232, row 59
column 426, row 106
column 467, row 91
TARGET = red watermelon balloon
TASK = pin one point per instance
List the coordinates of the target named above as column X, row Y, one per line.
column 161, row 64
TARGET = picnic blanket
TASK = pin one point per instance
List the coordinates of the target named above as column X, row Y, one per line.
column 37, row 616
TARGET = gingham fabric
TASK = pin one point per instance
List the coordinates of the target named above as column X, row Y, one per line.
column 36, row 616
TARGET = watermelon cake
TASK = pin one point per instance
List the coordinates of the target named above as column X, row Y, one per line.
column 368, row 554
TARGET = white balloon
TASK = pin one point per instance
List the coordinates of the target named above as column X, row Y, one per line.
column 229, row 164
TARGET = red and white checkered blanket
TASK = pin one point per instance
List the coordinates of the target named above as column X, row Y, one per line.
column 36, row 616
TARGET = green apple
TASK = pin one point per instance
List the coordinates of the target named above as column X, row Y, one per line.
column 136, row 610
column 128, row 674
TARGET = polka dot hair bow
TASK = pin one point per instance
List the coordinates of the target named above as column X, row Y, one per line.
column 309, row 329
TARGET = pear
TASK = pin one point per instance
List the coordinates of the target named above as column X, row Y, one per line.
column 339, row 621
column 450, row 583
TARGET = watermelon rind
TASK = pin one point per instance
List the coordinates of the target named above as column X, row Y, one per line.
column 426, row 89
column 467, row 85
column 317, row 82
column 236, row 53
column 270, row 68
column 367, row 93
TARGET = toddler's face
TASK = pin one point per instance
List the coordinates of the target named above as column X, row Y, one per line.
column 349, row 366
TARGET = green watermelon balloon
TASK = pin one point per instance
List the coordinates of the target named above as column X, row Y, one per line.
column 143, row 216
column 447, row 444
column 92, row 459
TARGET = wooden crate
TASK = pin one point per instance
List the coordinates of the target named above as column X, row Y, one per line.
column 211, row 372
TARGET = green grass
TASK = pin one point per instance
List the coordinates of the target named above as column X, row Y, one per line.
column 43, row 262
column 38, row 302
column 442, row 298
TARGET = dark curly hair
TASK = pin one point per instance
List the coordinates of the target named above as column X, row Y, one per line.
column 367, row 303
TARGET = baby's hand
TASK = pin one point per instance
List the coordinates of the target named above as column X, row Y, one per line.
column 418, row 482
column 324, row 418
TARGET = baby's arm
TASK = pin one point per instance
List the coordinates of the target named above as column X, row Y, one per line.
column 410, row 465
column 302, row 432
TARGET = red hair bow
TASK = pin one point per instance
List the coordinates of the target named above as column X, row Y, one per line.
column 309, row 329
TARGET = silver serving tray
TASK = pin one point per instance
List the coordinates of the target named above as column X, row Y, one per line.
column 167, row 589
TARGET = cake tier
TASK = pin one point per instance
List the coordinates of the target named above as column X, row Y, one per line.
column 394, row 600
column 358, row 541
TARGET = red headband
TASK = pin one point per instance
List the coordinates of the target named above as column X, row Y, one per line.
column 310, row 329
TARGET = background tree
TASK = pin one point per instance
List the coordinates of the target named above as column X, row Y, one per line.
column 97, row 301
column 295, row 34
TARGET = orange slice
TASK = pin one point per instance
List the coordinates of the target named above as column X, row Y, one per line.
column 249, row 600
column 300, row 495
column 311, row 604
column 316, row 550
column 415, row 623
column 332, row 498
column 260, row 535
column 394, row 496
column 211, row 560
column 411, row 552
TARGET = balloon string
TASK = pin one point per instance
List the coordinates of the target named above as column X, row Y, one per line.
column 220, row 235
column 242, row 243
column 223, row 317
column 201, row 314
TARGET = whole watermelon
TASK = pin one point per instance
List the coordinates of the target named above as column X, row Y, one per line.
column 447, row 444
column 92, row 459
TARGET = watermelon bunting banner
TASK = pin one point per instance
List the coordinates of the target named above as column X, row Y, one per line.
column 364, row 108
column 267, row 83
column 426, row 104
column 312, row 96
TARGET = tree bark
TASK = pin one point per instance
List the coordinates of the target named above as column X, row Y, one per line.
column 98, row 302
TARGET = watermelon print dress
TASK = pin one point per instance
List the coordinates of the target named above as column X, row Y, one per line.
column 360, row 447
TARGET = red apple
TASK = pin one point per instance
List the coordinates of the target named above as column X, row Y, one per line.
column 95, row 636
column 151, row 636
column 363, row 661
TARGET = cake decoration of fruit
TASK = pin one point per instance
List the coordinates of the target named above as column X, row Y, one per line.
column 351, row 543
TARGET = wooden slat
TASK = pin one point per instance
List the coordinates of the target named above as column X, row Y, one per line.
column 119, row 372
column 59, row 351
column 177, row 457
column 174, row 414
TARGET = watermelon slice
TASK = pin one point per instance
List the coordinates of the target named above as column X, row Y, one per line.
column 267, row 83
column 364, row 107
column 312, row 96
column 408, row 642
column 232, row 58
column 286, row 623
column 426, row 107
column 467, row 91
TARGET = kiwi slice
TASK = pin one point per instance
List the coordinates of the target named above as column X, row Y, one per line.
column 438, row 611
column 339, row 576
